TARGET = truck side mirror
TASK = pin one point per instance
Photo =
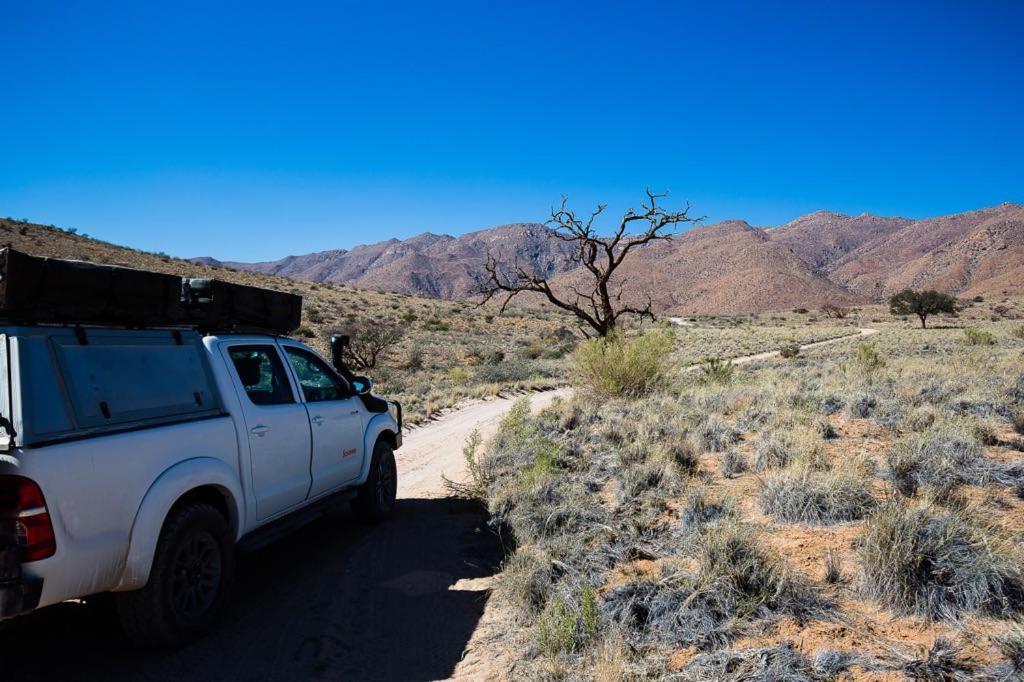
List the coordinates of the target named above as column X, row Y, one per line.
column 362, row 384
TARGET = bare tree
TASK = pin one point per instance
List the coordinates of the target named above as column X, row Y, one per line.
column 596, row 305
column 368, row 339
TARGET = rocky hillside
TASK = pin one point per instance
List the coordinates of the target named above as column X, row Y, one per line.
column 822, row 238
column 978, row 252
column 440, row 266
column 727, row 267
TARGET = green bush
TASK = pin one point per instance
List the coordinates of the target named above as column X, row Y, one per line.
column 867, row 362
column 978, row 337
column 717, row 371
column 615, row 366
column 790, row 350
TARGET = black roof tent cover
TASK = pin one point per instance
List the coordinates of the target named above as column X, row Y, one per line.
column 35, row 289
column 213, row 304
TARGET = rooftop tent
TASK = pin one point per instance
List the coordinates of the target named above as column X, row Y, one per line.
column 50, row 290
column 213, row 304
column 35, row 289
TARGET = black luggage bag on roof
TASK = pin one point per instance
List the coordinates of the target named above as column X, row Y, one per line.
column 36, row 289
column 215, row 305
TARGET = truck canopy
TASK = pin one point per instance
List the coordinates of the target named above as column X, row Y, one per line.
column 71, row 382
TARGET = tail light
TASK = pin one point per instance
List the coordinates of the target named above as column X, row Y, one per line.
column 23, row 515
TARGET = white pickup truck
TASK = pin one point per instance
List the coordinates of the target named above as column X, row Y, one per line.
column 134, row 461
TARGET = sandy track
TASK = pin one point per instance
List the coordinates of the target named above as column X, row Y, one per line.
column 744, row 359
column 434, row 451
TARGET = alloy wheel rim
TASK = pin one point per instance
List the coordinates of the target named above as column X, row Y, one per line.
column 196, row 575
column 386, row 482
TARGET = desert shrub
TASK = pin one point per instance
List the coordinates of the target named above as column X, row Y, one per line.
column 568, row 623
column 436, row 324
column 941, row 661
column 942, row 458
column 414, row 360
column 1017, row 420
column 676, row 451
column 305, row 331
column 937, row 563
column 459, row 376
column 715, row 434
column 732, row 558
column 508, row 372
column 314, row 315
column 370, row 340
column 829, row 663
column 1011, row 646
column 734, row 463
column 736, row 580
column 637, row 479
column 770, row 453
column 697, row 508
column 779, row 663
column 475, row 487
column 831, row 404
column 833, row 567
column 1018, row 331
column 716, row 370
column 978, row 337
column 615, row 366
column 867, row 362
column 527, row 577
column 862, row 405
column 920, row 418
column 790, row 350
column 799, row 495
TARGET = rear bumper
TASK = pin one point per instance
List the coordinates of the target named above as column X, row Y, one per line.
column 18, row 593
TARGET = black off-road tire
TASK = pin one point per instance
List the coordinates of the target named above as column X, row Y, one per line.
column 189, row 583
column 375, row 500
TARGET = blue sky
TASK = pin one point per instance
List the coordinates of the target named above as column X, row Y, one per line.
column 252, row 130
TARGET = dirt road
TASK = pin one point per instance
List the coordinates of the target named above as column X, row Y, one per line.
column 773, row 353
column 334, row 601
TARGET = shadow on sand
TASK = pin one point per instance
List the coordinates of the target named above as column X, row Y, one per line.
column 335, row 600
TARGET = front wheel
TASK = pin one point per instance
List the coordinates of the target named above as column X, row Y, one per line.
column 192, row 573
column 376, row 498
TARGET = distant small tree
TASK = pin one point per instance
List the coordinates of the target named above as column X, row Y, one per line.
column 922, row 304
column 368, row 340
column 836, row 311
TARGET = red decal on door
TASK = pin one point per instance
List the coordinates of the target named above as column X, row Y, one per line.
column 348, row 453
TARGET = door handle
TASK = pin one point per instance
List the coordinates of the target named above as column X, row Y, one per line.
column 354, row 412
column 259, row 430
column 318, row 420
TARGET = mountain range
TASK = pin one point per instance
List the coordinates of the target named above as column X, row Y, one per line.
column 725, row 267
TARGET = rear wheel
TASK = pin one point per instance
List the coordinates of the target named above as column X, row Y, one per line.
column 376, row 498
column 192, row 573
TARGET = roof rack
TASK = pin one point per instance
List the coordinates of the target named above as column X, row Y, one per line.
column 37, row 290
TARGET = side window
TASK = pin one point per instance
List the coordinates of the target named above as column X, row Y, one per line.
column 262, row 374
column 318, row 381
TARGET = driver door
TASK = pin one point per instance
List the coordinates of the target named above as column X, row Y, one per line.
column 335, row 417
